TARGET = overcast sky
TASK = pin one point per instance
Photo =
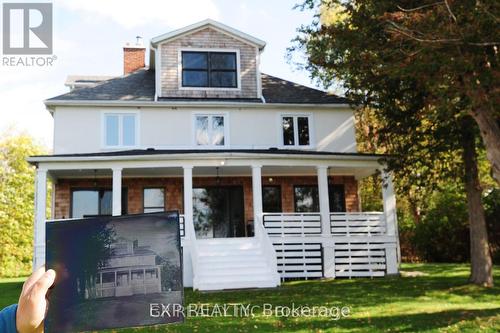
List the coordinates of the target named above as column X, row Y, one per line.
column 89, row 36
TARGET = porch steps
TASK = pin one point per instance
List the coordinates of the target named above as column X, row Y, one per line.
column 233, row 264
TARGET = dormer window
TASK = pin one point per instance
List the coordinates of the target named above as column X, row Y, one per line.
column 209, row 69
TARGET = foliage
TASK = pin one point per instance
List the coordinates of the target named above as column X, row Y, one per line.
column 492, row 210
column 435, row 300
column 17, row 179
column 443, row 233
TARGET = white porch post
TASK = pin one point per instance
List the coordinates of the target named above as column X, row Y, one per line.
column 117, row 191
column 188, row 202
column 389, row 198
column 324, row 201
column 324, row 209
column 257, row 197
column 40, row 217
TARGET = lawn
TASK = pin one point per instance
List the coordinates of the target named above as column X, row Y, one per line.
column 434, row 298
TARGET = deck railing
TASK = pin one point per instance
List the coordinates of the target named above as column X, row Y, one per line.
column 357, row 224
column 292, row 224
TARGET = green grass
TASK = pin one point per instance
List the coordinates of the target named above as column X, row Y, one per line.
column 438, row 301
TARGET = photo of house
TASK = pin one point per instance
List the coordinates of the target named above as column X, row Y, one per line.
column 263, row 171
column 105, row 270
column 129, row 271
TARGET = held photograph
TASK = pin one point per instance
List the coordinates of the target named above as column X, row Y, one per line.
column 112, row 270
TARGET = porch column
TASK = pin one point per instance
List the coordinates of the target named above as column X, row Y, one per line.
column 257, row 197
column 188, row 202
column 391, row 222
column 40, row 217
column 117, row 191
column 324, row 201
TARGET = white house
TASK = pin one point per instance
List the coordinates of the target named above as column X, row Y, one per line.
column 264, row 171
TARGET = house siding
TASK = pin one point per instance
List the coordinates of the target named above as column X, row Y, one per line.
column 207, row 38
column 174, row 191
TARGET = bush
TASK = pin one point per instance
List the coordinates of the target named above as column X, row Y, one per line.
column 443, row 233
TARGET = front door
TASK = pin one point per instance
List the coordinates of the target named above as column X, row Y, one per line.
column 218, row 212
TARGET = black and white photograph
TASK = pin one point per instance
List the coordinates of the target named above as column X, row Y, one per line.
column 114, row 272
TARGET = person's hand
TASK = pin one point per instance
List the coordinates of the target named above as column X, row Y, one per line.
column 32, row 305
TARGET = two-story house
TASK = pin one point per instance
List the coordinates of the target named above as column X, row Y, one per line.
column 264, row 171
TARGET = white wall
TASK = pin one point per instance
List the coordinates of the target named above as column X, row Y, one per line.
column 79, row 129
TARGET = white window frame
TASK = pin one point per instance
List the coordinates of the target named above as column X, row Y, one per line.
column 295, row 116
column 120, row 129
column 225, row 115
column 189, row 49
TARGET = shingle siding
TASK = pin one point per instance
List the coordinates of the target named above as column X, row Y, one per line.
column 207, row 38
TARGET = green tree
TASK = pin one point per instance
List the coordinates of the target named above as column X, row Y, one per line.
column 17, row 179
column 424, row 118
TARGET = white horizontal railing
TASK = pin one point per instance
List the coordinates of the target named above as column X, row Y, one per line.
column 357, row 224
column 292, row 224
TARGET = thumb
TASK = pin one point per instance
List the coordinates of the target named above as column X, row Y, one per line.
column 39, row 289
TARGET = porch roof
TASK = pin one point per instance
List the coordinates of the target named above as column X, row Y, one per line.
column 183, row 153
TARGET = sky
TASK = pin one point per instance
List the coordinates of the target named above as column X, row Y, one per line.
column 89, row 36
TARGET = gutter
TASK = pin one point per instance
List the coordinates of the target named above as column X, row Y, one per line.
column 162, row 104
column 196, row 156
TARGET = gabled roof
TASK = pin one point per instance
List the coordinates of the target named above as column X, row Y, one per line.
column 139, row 86
column 204, row 24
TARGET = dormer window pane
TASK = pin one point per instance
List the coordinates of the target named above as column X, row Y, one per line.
column 195, row 60
column 195, row 79
column 222, row 61
column 223, row 79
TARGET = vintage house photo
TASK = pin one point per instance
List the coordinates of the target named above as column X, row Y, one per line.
column 264, row 171
column 107, row 276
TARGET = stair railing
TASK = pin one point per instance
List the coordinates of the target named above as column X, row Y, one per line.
column 265, row 241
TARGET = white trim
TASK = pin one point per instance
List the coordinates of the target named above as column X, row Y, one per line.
column 258, row 75
column 295, row 115
column 198, row 49
column 206, row 104
column 158, row 72
column 120, row 113
column 208, row 23
column 194, row 144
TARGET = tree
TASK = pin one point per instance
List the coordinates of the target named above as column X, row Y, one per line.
column 451, row 47
column 17, row 180
column 423, row 116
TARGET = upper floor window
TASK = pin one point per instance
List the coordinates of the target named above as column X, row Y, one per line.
column 209, row 69
column 120, row 130
column 210, row 130
column 296, row 130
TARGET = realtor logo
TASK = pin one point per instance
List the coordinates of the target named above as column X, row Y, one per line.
column 27, row 28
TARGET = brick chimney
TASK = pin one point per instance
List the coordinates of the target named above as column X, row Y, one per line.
column 134, row 56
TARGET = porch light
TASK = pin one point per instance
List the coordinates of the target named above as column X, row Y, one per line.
column 222, row 162
column 270, row 179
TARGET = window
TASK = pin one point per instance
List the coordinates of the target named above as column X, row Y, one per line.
column 306, row 198
column 93, row 202
column 271, row 199
column 120, row 130
column 295, row 130
column 336, row 195
column 210, row 130
column 209, row 69
column 154, row 200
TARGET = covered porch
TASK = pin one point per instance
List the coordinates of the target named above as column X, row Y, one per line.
column 310, row 231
